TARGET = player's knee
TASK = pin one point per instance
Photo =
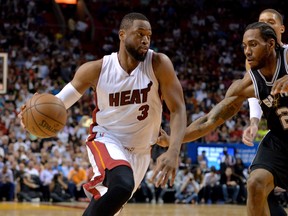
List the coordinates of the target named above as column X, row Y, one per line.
column 123, row 185
column 256, row 185
column 124, row 191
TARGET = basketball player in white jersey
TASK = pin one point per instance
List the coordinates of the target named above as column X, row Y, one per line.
column 275, row 19
column 129, row 87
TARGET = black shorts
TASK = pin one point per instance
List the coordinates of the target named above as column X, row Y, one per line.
column 272, row 155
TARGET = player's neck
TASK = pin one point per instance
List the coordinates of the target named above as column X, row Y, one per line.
column 127, row 63
column 270, row 67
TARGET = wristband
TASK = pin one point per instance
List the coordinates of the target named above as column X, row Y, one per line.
column 255, row 108
column 69, row 95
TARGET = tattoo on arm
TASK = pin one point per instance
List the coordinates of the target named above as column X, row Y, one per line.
column 225, row 111
column 217, row 116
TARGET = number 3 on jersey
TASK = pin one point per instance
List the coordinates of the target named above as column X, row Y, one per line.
column 144, row 112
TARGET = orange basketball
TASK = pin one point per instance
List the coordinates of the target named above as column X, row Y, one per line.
column 45, row 115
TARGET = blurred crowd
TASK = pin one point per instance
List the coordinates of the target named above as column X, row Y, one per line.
column 203, row 41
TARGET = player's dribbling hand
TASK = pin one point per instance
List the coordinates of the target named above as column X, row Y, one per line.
column 163, row 139
column 20, row 115
column 280, row 85
column 166, row 167
column 249, row 135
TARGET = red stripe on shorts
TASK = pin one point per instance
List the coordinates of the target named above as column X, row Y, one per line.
column 103, row 161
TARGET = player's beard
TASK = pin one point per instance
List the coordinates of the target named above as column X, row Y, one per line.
column 262, row 61
column 260, row 64
column 135, row 54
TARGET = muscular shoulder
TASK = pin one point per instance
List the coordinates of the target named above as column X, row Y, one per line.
column 159, row 60
column 87, row 75
column 161, row 64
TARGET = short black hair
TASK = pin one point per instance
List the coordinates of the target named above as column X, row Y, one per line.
column 128, row 19
column 266, row 32
column 279, row 16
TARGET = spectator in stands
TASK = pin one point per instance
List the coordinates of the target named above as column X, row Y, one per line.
column 65, row 167
column 31, row 169
column 4, row 142
column 188, row 192
column 226, row 160
column 240, row 169
column 212, row 137
column 77, row 176
column 46, row 177
column 2, row 152
column 60, row 147
column 210, row 187
column 198, row 175
column 59, row 189
column 203, row 157
column 230, row 185
column 7, row 186
column 1, row 162
column 28, row 189
column 223, row 133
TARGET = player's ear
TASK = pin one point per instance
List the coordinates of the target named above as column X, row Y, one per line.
column 271, row 43
column 282, row 29
column 121, row 34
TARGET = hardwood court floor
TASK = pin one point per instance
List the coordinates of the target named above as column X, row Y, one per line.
column 76, row 209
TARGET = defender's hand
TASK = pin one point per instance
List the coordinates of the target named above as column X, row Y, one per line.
column 249, row 135
column 280, row 85
column 20, row 115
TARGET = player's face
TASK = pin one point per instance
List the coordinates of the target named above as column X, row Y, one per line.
column 272, row 19
column 256, row 49
column 137, row 40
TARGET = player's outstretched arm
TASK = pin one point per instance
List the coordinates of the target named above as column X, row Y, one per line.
column 236, row 94
column 239, row 91
column 224, row 110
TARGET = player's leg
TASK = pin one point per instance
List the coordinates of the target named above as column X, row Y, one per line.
column 275, row 208
column 120, row 183
column 269, row 169
column 260, row 183
column 111, row 177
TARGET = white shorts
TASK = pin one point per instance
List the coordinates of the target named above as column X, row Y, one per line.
column 105, row 152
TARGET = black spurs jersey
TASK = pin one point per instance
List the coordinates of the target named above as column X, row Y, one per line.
column 275, row 108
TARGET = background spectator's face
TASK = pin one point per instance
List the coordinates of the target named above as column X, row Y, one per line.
column 228, row 171
column 273, row 21
column 76, row 166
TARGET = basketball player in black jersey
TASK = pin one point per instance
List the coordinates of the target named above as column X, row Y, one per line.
column 275, row 20
column 268, row 81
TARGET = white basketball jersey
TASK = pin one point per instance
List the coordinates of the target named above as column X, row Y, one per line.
column 129, row 105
